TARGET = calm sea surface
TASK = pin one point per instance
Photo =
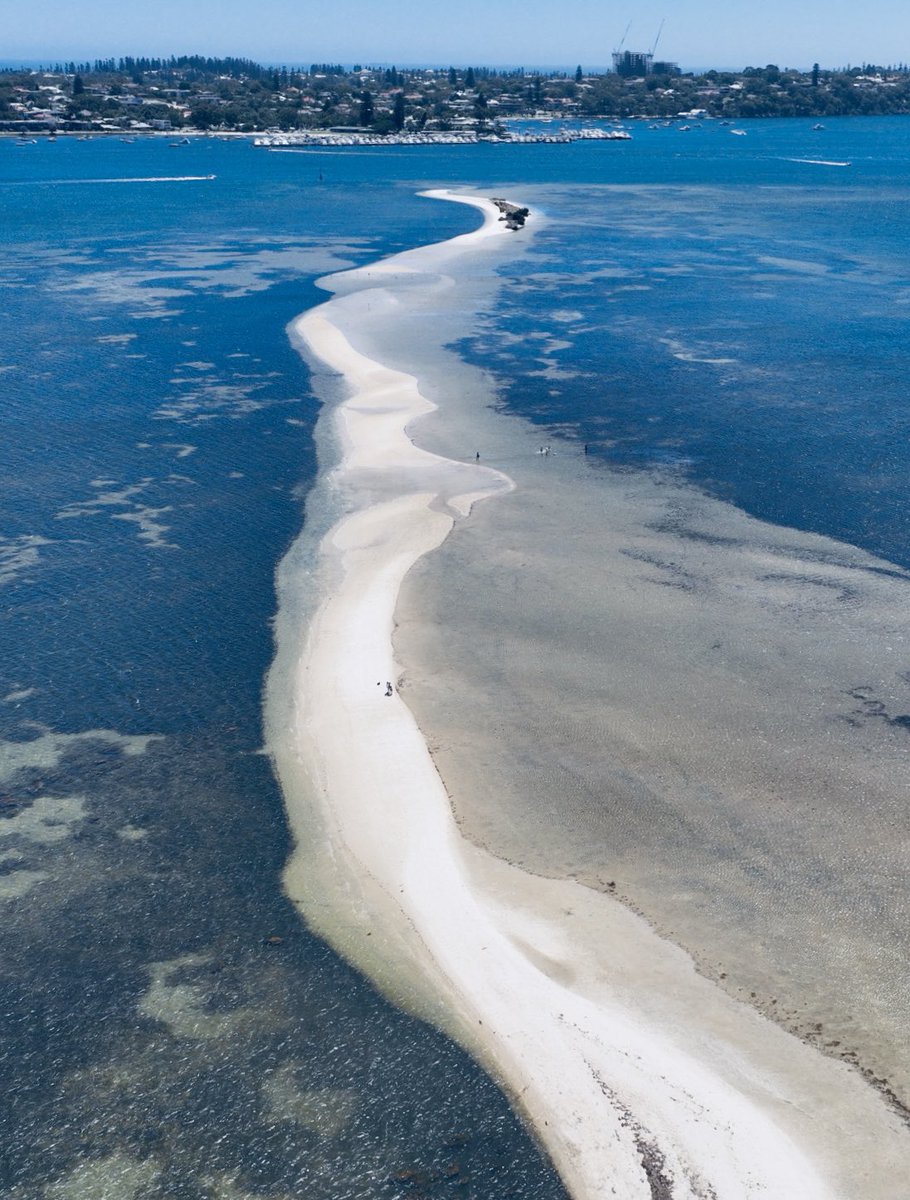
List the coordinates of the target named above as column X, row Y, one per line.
column 168, row 1024
column 729, row 309
column 735, row 308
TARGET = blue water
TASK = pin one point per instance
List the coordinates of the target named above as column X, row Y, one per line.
column 731, row 316
column 167, row 1019
column 750, row 334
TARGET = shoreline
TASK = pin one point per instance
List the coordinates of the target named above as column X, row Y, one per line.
column 630, row 1067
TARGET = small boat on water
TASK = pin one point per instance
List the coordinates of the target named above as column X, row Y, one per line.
column 738, row 132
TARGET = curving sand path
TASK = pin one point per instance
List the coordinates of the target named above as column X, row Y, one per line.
column 640, row 1077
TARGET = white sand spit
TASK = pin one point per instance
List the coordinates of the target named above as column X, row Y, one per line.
column 674, row 1090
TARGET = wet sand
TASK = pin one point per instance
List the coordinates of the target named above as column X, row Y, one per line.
column 636, row 1072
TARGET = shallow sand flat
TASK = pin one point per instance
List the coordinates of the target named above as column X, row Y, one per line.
column 569, row 757
column 694, row 718
column 631, row 1066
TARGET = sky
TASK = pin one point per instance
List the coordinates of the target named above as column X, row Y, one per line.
column 697, row 34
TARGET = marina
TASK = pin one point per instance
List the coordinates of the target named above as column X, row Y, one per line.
column 470, row 137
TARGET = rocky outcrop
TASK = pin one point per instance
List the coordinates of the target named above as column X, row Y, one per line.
column 513, row 215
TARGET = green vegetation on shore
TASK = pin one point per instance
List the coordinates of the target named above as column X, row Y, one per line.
column 234, row 94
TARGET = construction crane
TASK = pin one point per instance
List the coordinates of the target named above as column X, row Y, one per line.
column 657, row 39
column 624, row 36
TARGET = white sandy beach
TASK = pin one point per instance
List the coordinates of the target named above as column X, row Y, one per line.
column 640, row 1077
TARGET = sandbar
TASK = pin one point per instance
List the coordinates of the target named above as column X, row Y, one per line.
column 639, row 1076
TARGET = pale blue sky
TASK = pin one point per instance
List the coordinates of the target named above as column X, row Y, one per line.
column 697, row 33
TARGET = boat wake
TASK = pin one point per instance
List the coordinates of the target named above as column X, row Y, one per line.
column 122, row 179
column 819, row 162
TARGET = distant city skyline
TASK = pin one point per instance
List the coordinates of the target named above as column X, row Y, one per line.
column 698, row 34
